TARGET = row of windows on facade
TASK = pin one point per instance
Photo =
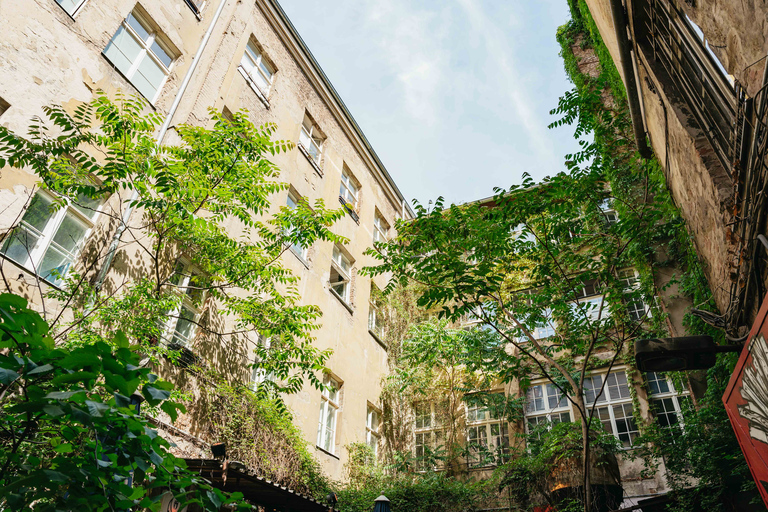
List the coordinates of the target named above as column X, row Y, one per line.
column 330, row 406
column 487, row 434
column 591, row 303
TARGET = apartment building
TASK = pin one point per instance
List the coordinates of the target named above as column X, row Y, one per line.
column 184, row 57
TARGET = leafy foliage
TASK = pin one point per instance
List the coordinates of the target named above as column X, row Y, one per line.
column 71, row 436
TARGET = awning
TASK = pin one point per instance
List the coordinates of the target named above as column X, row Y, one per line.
column 232, row 476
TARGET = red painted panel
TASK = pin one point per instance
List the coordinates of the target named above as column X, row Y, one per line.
column 746, row 401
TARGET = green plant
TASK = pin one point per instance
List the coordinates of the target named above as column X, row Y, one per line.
column 71, row 436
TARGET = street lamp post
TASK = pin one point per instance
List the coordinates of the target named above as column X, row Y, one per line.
column 381, row 504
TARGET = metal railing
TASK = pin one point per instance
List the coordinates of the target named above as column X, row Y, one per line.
column 717, row 104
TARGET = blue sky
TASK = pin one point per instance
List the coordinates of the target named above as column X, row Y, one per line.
column 454, row 95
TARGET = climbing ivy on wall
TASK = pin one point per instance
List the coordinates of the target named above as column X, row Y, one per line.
column 705, row 450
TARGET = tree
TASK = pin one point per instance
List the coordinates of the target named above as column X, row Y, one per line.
column 71, row 435
column 519, row 264
column 198, row 237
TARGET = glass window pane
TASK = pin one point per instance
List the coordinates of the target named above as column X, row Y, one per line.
column 138, row 27
column 185, row 327
column 149, row 77
column 39, row 212
column 54, row 266
column 123, row 50
column 20, row 245
column 70, row 233
column 69, row 5
column 161, row 54
column 87, row 206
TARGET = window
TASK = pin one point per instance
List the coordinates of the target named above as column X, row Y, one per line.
column 380, row 228
column 258, row 374
column 545, row 405
column 292, row 203
column 257, row 70
column 138, row 53
column 428, row 434
column 311, row 140
column 372, row 435
column 374, row 316
column 487, row 436
column 637, row 310
column 341, row 269
column 181, row 327
column 196, row 6
column 616, row 415
column 609, row 214
column 48, row 241
column 595, row 308
column 329, row 407
column 70, row 6
column 349, row 189
column 666, row 403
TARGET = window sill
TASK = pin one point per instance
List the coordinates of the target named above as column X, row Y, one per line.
column 327, row 452
column 254, row 87
column 351, row 211
column 378, row 340
column 194, row 9
column 312, row 162
column 343, row 302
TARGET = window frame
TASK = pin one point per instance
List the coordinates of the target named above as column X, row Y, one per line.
column 310, row 134
column 330, row 400
column 632, row 285
column 495, row 448
column 670, row 394
column 254, row 54
column 548, row 413
column 153, row 36
column 372, row 434
column 346, row 275
column 433, row 433
column 53, row 223
column 259, row 375
column 75, row 11
column 171, row 334
column 296, row 248
column 349, row 187
column 380, row 228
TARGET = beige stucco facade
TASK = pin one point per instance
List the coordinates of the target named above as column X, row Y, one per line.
column 48, row 56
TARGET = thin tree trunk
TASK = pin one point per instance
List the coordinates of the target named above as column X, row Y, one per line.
column 585, row 454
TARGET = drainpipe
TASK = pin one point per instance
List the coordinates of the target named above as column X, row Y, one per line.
column 160, row 135
column 633, row 97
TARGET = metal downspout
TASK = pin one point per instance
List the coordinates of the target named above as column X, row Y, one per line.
column 633, row 97
column 160, row 135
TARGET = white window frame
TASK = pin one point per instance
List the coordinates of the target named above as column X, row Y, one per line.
column 637, row 309
column 311, row 140
column 608, row 211
column 380, row 228
column 343, row 287
column 45, row 238
column 349, row 190
column 186, row 272
column 297, row 249
column 613, row 397
column 432, row 435
column 665, row 397
column 484, row 447
column 372, row 424
column 251, row 69
column 330, row 404
column 146, row 51
column 373, row 310
column 553, row 407
column 260, row 375
column 78, row 5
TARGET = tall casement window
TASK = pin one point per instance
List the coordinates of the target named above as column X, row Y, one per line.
column 487, row 437
column 609, row 213
column 341, row 270
column 636, row 307
column 591, row 303
column 614, row 405
column 545, row 404
column 349, row 190
column 329, row 408
column 666, row 402
column 374, row 314
column 258, row 374
column 71, row 6
column 257, row 70
column 48, row 240
column 137, row 51
column 293, row 202
column 428, row 434
column 380, row 228
column 372, row 435
column 182, row 321
column 311, row 140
